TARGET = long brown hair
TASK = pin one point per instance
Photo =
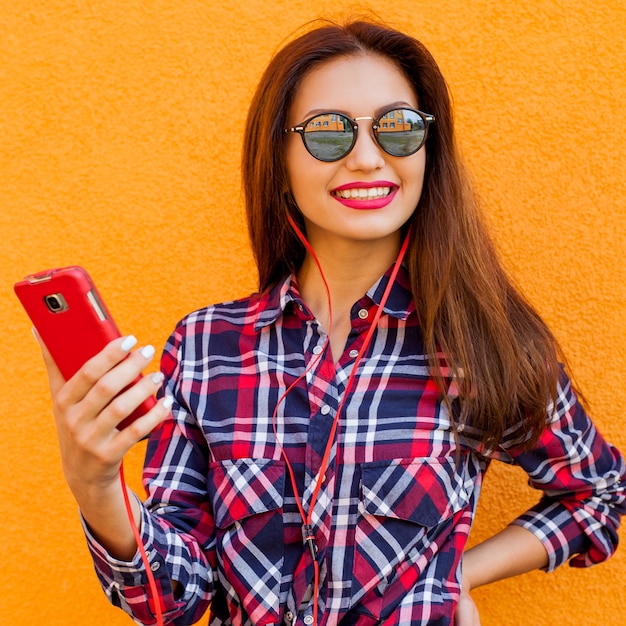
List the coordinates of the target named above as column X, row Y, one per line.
column 477, row 326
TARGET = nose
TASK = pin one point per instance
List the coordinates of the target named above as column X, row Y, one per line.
column 366, row 154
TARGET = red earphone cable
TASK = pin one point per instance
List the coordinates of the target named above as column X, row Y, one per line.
column 307, row 518
column 156, row 596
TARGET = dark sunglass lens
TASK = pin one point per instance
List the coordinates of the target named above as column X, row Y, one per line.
column 328, row 137
column 401, row 132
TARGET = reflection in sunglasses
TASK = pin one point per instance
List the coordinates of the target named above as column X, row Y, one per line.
column 331, row 136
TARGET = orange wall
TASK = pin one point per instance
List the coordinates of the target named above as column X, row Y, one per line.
column 110, row 157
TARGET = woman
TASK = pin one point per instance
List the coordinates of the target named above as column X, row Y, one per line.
column 319, row 447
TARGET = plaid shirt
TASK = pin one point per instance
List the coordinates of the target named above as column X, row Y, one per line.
column 397, row 500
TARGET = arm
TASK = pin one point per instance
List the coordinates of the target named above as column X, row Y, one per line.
column 86, row 412
column 176, row 520
column 510, row 552
column 583, row 480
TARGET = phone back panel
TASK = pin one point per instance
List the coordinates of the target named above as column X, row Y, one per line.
column 78, row 331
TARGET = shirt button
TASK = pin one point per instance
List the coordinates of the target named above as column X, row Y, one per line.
column 325, row 410
column 354, row 354
column 363, row 314
column 155, row 566
column 289, row 616
column 317, row 350
column 308, row 620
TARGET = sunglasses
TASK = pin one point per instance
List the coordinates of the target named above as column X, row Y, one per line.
column 330, row 136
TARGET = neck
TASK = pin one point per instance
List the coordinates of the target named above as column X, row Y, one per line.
column 349, row 270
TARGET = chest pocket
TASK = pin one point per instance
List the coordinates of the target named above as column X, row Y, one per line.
column 247, row 499
column 405, row 505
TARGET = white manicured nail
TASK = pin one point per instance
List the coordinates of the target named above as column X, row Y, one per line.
column 157, row 378
column 168, row 401
column 128, row 343
column 147, row 352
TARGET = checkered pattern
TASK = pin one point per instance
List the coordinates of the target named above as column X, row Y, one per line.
column 398, row 498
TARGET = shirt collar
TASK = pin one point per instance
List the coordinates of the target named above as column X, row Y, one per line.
column 285, row 294
column 274, row 301
column 400, row 302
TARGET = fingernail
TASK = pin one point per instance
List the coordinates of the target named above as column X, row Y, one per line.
column 157, row 378
column 147, row 352
column 168, row 401
column 34, row 331
column 128, row 343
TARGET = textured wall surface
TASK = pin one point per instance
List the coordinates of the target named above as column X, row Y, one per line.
column 110, row 157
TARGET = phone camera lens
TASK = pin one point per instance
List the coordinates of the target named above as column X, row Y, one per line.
column 55, row 302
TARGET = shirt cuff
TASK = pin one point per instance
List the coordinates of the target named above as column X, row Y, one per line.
column 126, row 583
column 129, row 573
column 554, row 525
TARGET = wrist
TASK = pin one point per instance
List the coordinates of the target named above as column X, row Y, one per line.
column 466, row 581
column 90, row 494
column 470, row 571
column 110, row 522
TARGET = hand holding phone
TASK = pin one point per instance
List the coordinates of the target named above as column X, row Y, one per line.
column 72, row 320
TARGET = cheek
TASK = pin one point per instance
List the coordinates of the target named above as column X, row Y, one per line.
column 308, row 178
column 415, row 174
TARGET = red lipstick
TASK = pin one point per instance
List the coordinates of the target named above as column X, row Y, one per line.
column 365, row 202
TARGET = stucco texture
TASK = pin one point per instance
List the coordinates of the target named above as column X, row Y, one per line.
column 112, row 157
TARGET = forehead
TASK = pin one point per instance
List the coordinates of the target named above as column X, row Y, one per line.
column 355, row 85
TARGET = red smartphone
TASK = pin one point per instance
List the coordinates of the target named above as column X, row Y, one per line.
column 71, row 319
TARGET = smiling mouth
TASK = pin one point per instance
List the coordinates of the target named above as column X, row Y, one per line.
column 371, row 193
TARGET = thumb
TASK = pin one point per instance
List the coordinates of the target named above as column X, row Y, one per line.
column 55, row 378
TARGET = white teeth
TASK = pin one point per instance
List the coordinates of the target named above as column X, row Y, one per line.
column 362, row 193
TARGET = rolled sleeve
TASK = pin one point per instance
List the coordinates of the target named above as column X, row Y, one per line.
column 177, row 528
column 583, row 480
column 174, row 554
column 126, row 583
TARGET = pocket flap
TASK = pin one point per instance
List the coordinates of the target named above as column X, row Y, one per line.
column 424, row 491
column 244, row 487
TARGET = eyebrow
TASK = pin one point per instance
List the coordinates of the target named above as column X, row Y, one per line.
column 400, row 104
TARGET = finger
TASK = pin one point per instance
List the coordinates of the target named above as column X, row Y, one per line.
column 144, row 425
column 79, row 385
column 466, row 613
column 121, row 378
column 55, row 378
column 130, row 398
